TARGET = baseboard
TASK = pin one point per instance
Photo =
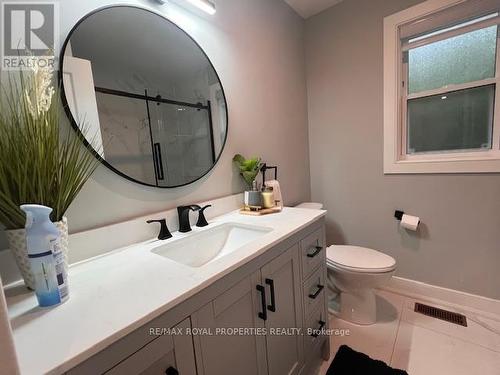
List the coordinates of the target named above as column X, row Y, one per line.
column 419, row 290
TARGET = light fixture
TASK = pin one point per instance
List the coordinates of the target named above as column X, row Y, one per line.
column 205, row 5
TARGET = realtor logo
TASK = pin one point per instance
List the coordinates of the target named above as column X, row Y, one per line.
column 29, row 34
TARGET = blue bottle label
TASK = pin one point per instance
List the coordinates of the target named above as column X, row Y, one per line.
column 46, row 288
column 61, row 274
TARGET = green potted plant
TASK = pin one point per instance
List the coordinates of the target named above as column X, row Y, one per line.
column 39, row 162
column 249, row 169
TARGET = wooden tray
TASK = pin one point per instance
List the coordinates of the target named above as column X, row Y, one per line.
column 261, row 212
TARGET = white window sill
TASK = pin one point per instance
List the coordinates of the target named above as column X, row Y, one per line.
column 443, row 165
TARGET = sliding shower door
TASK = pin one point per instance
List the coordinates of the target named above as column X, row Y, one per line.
column 182, row 138
column 157, row 141
column 126, row 138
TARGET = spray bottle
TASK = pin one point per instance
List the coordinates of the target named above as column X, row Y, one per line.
column 45, row 255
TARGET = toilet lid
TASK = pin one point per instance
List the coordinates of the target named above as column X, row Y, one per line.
column 359, row 259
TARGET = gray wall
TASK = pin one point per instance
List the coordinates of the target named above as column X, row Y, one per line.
column 257, row 48
column 459, row 243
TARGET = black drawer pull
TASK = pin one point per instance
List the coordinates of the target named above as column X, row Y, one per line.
column 171, row 371
column 272, row 306
column 316, row 251
column 317, row 331
column 316, row 293
column 262, row 290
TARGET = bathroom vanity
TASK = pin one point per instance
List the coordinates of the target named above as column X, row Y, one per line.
column 244, row 295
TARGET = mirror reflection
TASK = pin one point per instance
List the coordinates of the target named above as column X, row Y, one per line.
column 145, row 96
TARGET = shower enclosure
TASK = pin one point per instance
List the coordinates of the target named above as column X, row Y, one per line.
column 154, row 139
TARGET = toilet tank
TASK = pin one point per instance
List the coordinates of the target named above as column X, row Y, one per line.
column 311, row 205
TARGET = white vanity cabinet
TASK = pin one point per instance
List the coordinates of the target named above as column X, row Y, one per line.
column 229, row 352
column 282, row 278
column 268, row 301
column 245, row 323
column 314, row 290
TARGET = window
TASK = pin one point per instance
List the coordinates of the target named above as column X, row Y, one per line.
column 441, row 75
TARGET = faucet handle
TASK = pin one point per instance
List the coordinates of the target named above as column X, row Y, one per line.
column 164, row 232
column 202, row 221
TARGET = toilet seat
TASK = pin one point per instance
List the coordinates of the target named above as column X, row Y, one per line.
column 359, row 259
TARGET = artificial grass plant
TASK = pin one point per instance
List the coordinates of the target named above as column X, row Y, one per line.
column 40, row 163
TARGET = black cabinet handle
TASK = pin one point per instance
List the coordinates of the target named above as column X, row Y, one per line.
column 262, row 290
column 321, row 326
column 171, row 371
column 272, row 306
column 316, row 293
column 316, row 251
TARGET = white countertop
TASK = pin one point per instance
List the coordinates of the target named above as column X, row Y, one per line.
column 114, row 294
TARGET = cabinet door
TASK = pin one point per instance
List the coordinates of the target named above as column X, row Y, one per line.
column 241, row 353
column 282, row 279
column 168, row 354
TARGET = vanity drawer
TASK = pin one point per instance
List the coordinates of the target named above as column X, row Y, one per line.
column 314, row 291
column 313, row 252
column 132, row 356
column 315, row 327
column 156, row 357
column 168, row 354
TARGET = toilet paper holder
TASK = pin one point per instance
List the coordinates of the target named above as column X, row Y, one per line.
column 407, row 222
column 398, row 214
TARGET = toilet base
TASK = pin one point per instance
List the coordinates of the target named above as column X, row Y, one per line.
column 358, row 307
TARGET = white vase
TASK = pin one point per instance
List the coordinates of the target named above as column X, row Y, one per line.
column 17, row 244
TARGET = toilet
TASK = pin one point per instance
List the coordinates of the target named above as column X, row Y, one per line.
column 353, row 275
column 311, row 205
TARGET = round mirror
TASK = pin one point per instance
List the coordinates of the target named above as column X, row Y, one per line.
column 144, row 95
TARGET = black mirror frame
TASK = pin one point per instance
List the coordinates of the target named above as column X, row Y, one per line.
column 75, row 125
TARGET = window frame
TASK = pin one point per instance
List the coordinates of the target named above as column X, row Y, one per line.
column 396, row 159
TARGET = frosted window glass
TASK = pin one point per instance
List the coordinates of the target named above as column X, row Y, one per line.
column 464, row 58
column 459, row 120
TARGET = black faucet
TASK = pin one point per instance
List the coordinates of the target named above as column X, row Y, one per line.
column 183, row 212
column 164, row 232
column 202, row 221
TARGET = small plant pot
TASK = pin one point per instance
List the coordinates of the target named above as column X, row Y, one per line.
column 17, row 244
column 253, row 198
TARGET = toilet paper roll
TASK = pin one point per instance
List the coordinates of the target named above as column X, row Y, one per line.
column 410, row 222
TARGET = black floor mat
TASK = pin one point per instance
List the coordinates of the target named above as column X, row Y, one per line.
column 351, row 362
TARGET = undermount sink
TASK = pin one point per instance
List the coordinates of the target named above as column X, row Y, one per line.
column 198, row 249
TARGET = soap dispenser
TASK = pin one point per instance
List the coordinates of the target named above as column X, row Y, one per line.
column 45, row 255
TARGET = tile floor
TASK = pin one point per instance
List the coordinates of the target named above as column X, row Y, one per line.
column 422, row 345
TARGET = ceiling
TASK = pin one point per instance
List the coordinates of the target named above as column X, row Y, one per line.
column 308, row 8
